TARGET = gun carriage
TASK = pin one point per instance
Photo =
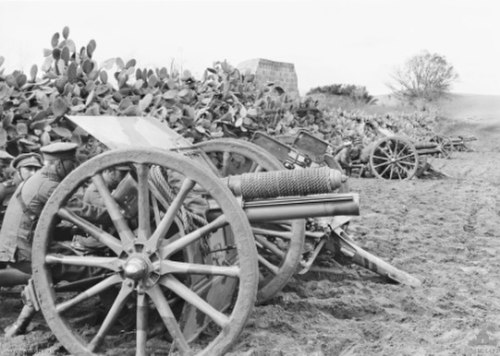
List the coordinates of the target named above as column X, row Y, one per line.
column 396, row 157
column 391, row 157
column 165, row 277
column 454, row 143
column 325, row 233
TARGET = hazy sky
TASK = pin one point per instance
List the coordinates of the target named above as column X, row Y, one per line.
column 332, row 41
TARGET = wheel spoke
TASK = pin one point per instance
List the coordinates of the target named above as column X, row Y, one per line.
column 391, row 171
column 392, row 147
column 126, row 235
column 185, row 240
column 168, row 318
column 384, row 148
column 111, row 263
column 407, row 156
column 225, row 163
column 170, row 215
column 269, row 246
column 254, row 167
column 397, row 171
column 404, row 170
column 194, row 299
column 92, row 291
column 168, row 266
column 388, row 149
column 108, row 322
column 381, row 164
column 287, row 235
column 274, row 270
column 380, row 157
column 144, row 230
column 385, row 170
column 395, row 152
column 141, row 325
column 103, row 237
column 403, row 153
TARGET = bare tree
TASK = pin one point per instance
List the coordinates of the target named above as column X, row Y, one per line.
column 426, row 76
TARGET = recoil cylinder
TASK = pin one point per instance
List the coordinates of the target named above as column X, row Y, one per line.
column 300, row 182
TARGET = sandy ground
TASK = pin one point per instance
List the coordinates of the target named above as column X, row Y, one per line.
column 446, row 232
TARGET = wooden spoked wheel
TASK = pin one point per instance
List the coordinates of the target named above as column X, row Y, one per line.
column 394, row 158
column 153, row 287
column 444, row 145
column 279, row 245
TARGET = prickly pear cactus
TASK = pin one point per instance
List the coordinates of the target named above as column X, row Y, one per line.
column 224, row 102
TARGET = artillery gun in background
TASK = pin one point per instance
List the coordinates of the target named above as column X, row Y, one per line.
column 454, row 143
column 186, row 282
column 391, row 157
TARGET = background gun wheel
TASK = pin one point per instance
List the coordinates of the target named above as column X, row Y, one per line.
column 280, row 246
column 394, row 158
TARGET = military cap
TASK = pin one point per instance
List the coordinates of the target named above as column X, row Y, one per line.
column 59, row 150
column 27, row 160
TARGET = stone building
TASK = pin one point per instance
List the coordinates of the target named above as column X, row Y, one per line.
column 279, row 73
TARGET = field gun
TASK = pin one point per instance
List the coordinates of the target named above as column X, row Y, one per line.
column 391, row 157
column 266, row 153
column 454, row 143
column 197, row 235
column 304, row 151
column 459, row 143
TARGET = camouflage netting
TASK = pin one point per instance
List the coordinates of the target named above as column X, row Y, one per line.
column 224, row 102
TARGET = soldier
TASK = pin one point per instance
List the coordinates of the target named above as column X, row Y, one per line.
column 24, row 165
column 5, row 174
column 5, row 159
column 27, row 164
column 20, row 221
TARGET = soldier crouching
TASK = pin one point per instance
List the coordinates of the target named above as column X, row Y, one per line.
column 21, row 216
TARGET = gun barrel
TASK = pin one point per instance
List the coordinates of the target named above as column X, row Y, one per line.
column 289, row 208
column 467, row 138
column 264, row 185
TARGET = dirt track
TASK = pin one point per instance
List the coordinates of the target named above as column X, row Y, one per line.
column 445, row 232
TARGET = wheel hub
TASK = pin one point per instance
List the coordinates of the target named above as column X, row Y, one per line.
column 135, row 268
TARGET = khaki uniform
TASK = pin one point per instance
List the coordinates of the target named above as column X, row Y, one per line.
column 7, row 188
column 91, row 208
column 22, row 214
column 21, row 217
